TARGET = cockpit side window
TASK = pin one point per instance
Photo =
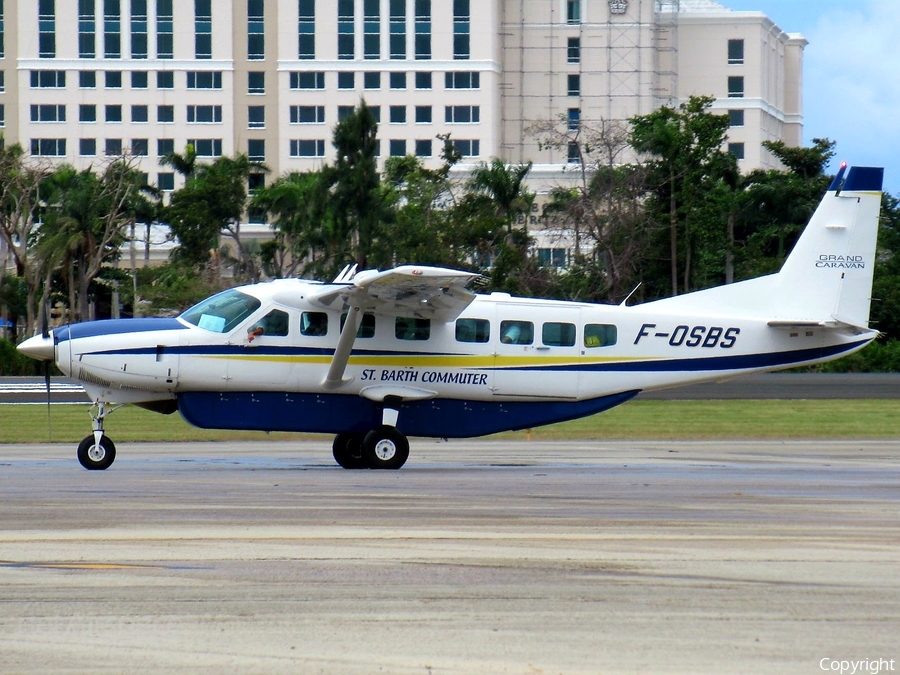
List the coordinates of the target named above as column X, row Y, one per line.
column 222, row 312
column 274, row 324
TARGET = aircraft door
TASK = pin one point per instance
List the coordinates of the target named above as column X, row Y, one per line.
column 535, row 355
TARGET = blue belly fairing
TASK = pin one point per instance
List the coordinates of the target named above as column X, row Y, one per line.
column 336, row 413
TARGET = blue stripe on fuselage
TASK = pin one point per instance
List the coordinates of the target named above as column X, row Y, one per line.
column 114, row 327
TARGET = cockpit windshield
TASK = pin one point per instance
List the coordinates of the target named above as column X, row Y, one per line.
column 222, row 312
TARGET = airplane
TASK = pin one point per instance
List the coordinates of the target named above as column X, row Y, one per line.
column 376, row 356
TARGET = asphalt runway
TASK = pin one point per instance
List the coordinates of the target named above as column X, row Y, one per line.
column 478, row 557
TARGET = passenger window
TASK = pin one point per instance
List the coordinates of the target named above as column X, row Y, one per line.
column 473, row 330
column 366, row 326
column 314, row 324
column 412, row 329
column 558, row 334
column 516, row 332
column 273, row 324
column 600, row 335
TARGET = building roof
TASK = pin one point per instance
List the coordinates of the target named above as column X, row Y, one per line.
column 692, row 6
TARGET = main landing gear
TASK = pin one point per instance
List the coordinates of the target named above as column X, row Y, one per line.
column 382, row 448
column 96, row 452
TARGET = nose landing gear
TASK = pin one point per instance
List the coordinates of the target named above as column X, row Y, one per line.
column 97, row 452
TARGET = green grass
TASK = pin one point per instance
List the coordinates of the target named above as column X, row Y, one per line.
column 635, row 420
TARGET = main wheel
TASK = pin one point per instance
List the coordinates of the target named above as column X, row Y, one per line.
column 385, row 448
column 96, row 457
column 347, row 450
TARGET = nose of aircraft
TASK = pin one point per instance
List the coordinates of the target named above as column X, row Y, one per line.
column 38, row 347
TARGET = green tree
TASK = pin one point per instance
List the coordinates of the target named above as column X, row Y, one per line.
column 685, row 145
column 358, row 202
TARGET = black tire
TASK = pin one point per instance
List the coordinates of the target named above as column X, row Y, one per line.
column 96, row 458
column 347, row 450
column 385, row 448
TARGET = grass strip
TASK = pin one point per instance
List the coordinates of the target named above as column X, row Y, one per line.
column 650, row 420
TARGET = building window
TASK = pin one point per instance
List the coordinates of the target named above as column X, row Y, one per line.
column 140, row 113
column 573, row 11
column 256, row 28
column 573, row 50
column 48, row 147
column 113, row 113
column 574, row 118
column 307, row 148
column 165, row 181
column 462, row 114
column 462, row 80
column 165, row 114
column 113, row 79
column 461, row 40
column 204, row 79
column 736, row 149
column 87, row 30
column 87, row 112
column 46, row 29
column 398, row 29
column 139, row 146
column 398, row 115
column 48, row 79
column 112, row 30
column 165, row 146
column 346, row 28
column 573, row 85
column 256, row 117
column 555, row 334
column 165, row 79
column 207, row 147
column 204, row 114
column 139, row 29
column 306, row 30
column 735, row 86
column 113, row 147
column 376, row 112
column 2, row 76
column 736, row 118
column 87, row 147
column 165, row 23
column 371, row 29
column 398, row 148
column 398, row 80
column 423, row 80
column 139, row 79
column 256, row 82
column 467, row 148
column 423, row 30
column 344, row 111
column 574, row 154
column 307, row 114
column 203, row 29
column 735, row 52
column 423, row 147
column 256, row 150
column 346, row 80
column 48, row 113
column 372, row 80
column 2, row 23
column 423, row 114
column 308, row 80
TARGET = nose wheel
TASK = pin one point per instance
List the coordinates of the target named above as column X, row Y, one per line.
column 97, row 452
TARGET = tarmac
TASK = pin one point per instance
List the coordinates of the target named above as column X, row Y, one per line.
column 477, row 557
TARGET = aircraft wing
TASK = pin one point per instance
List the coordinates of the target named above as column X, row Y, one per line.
column 423, row 292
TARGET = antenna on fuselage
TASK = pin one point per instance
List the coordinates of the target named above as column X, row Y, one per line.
column 627, row 297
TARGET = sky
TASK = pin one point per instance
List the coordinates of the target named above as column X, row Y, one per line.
column 851, row 75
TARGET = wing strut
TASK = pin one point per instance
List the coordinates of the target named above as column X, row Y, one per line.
column 335, row 377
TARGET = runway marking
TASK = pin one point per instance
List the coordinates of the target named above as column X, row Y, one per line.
column 79, row 566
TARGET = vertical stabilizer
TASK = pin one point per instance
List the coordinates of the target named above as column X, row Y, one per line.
column 828, row 275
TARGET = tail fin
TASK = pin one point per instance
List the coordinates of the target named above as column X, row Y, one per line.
column 826, row 279
column 828, row 275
